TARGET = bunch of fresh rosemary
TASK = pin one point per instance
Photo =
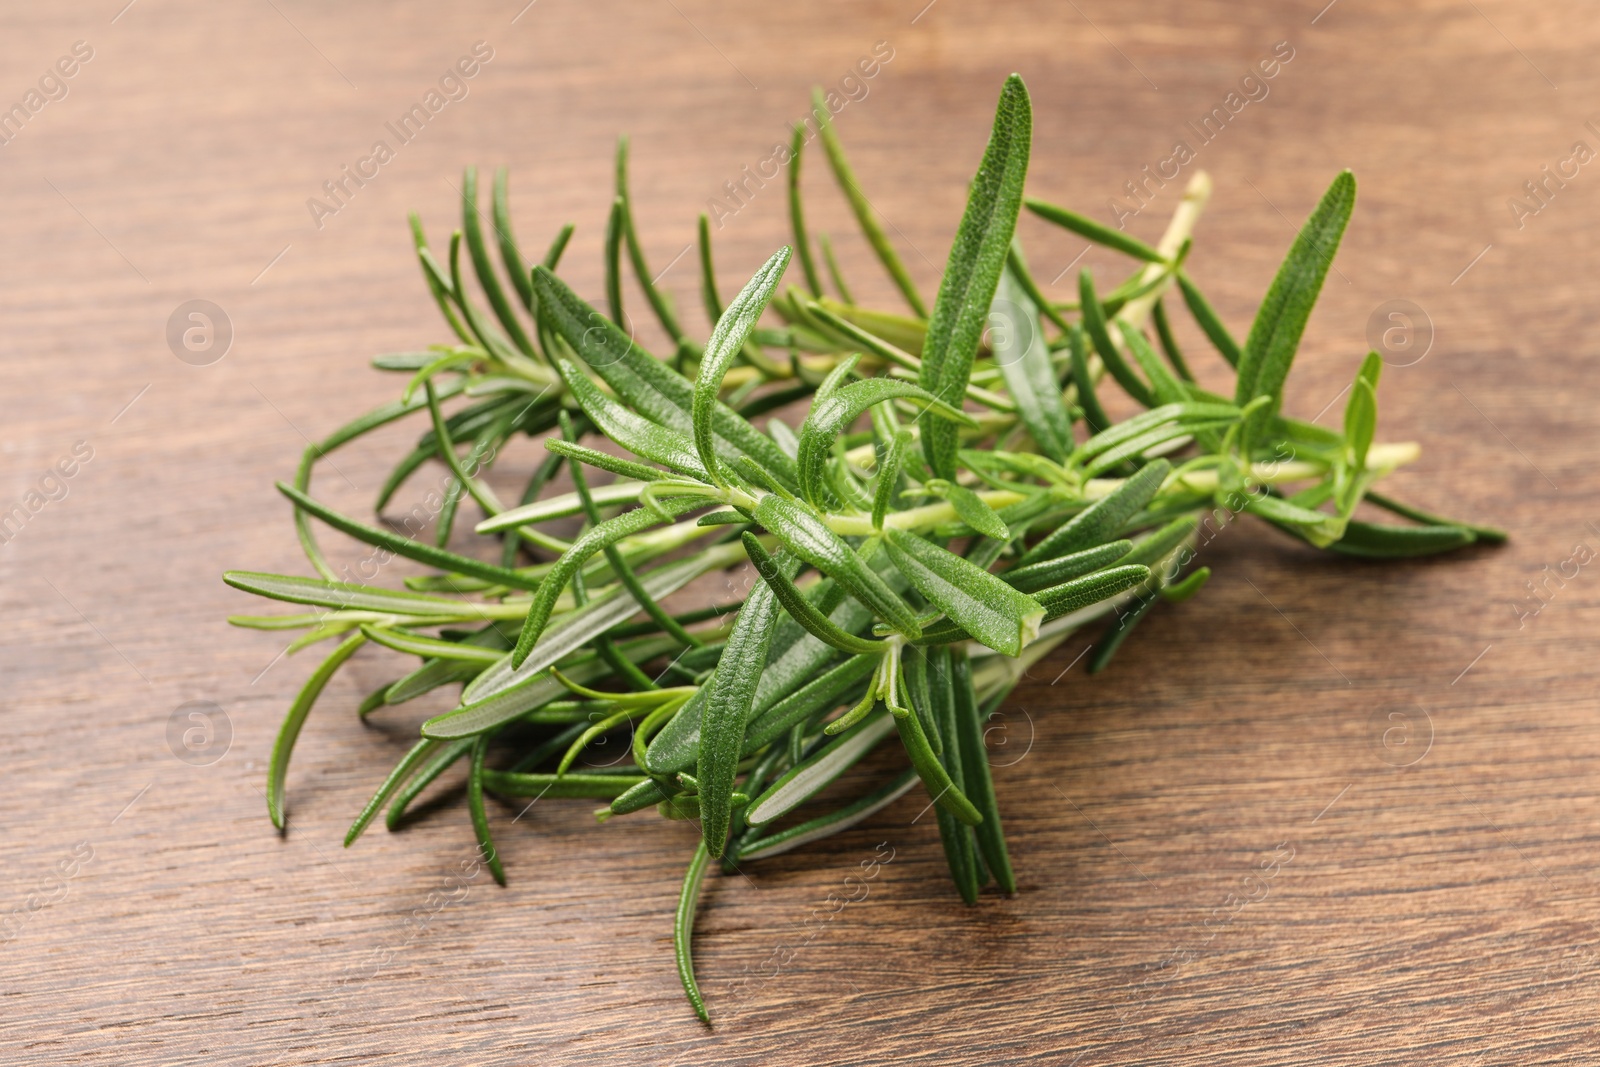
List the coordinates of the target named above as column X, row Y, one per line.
column 935, row 523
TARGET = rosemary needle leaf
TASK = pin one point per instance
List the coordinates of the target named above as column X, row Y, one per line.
column 809, row 538
column 797, row 214
column 1275, row 334
column 402, row 770
column 345, row 596
column 510, row 254
column 727, row 341
column 593, row 540
column 1093, row 414
column 441, row 762
column 972, row 272
column 833, row 413
column 683, row 929
column 283, row 748
column 472, row 228
column 649, row 440
column 1487, row 534
column 1097, row 232
column 812, row 775
column 1091, row 589
column 430, row 647
column 1094, row 324
column 1024, row 359
column 987, row 608
column 1191, row 584
column 960, row 851
column 1376, row 540
column 1103, row 519
column 405, row 546
column 731, row 692
column 935, row 779
column 799, row 608
column 831, row 823
column 866, row 217
column 480, row 818
column 1209, row 321
column 1067, row 567
column 975, row 774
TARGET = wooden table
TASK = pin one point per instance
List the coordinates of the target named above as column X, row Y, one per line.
column 1432, row 896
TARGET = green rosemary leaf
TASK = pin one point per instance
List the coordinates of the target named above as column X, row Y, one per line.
column 345, row 596
column 510, row 254
column 866, row 216
column 971, row 509
column 820, row 695
column 812, row 775
column 1210, row 323
column 1487, row 534
column 1094, row 324
column 831, row 415
column 1066, row 567
column 472, row 229
column 683, row 929
column 975, row 776
column 800, row 609
column 1191, row 584
column 960, row 852
column 834, row 274
column 941, row 788
column 480, row 817
column 1024, row 358
column 402, row 770
column 438, row 282
column 730, row 694
column 797, row 212
column 654, row 389
column 1320, row 528
column 1189, row 412
column 1163, row 386
column 1083, row 592
column 1104, row 519
column 404, row 546
column 1097, row 232
column 442, row 761
column 604, row 461
column 283, row 748
column 1169, row 343
column 1376, row 540
column 1093, row 414
column 593, row 540
column 986, row 607
column 809, row 538
column 708, row 273
column 430, row 647
column 558, row 507
column 644, row 438
column 1275, row 334
column 1154, row 546
column 598, row 786
column 972, row 271
column 1136, row 447
column 1361, row 413
column 727, row 341
column 889, row 477
column 613, row 260
column 833, row 822
column 641, row 270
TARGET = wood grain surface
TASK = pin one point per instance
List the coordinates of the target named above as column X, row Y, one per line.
column 1406, row 757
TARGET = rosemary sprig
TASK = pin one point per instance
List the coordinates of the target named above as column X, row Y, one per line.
column 937, row 521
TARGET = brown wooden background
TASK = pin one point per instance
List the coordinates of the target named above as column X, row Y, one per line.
column 1441, row 912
